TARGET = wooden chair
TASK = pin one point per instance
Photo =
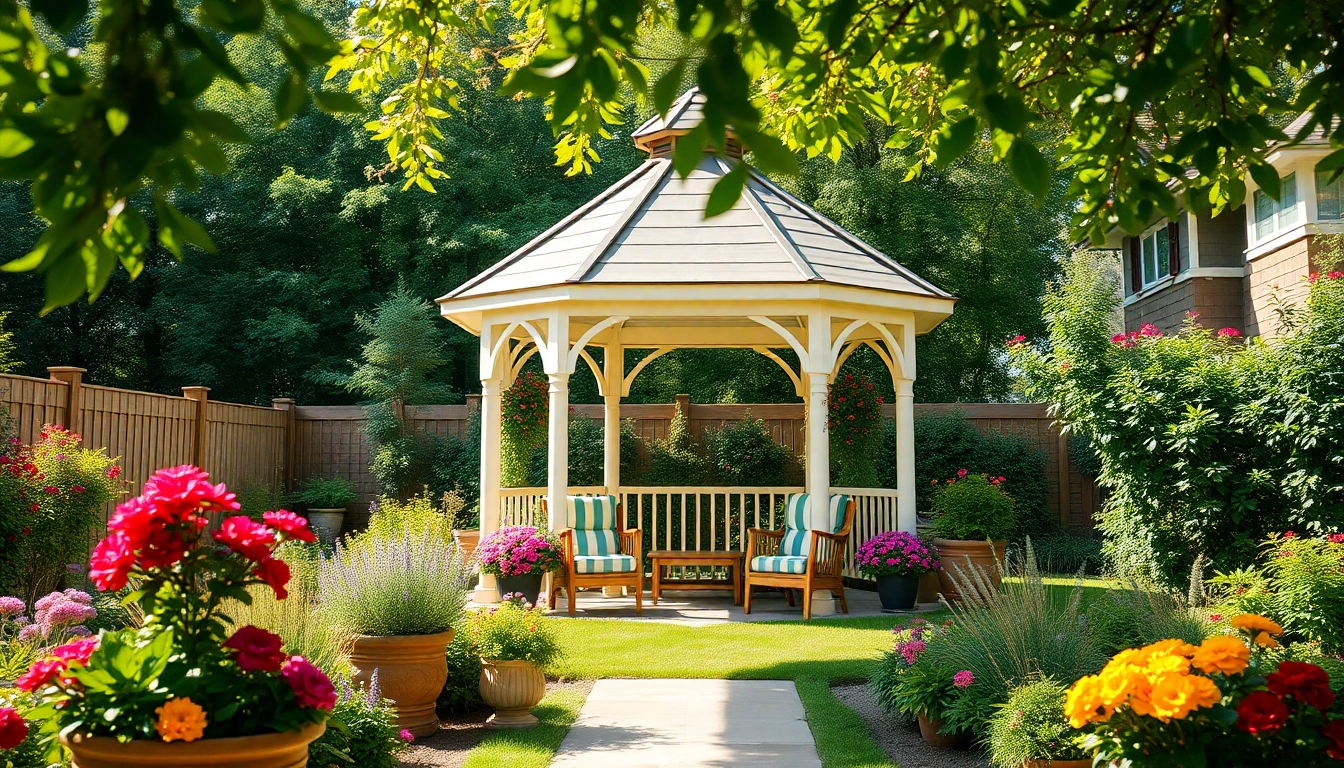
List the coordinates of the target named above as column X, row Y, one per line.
column 796, row 557
column 598, row 551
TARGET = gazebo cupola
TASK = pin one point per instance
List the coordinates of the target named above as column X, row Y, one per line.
column 640, row 266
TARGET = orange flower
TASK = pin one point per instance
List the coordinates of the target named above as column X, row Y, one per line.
column 1253, row 624
column 180, row 719
column 1265, row 641
column 1175, row 696
column 1083, row 705
column 1222, row 654
column 1173, row 647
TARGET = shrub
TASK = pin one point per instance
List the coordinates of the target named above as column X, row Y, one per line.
column 947, row 442
column 326, row 493
column 457, row 467
column 513, row 632
column 407, row 583
column 368, row 736
column 524, row 413
column 1062, row 552
column 1299, row 583
column 388, row 518
column 585, row 455
column 972, row 507
column 1130, row 617
column 518, row 550
column 1031, row 726
column 745, row 453
column 895, row 553
column 298, row 619
column 256, row 496
column 676, row 460
column 462, row 692
column 854, row 407
column 60, row 492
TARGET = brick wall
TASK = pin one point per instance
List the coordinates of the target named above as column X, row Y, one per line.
column 1282, row 274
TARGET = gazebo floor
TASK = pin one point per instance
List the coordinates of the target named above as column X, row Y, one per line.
column 705, row 608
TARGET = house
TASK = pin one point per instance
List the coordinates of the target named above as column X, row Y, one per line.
column 1229, row 268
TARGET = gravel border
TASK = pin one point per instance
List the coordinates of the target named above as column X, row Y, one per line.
column 901, row 740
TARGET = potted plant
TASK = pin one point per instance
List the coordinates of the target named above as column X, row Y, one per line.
column 183, row 689
column 972, row 517
column 1030, row 730
column 514, row 641
column 326, row 500
column 919, row 690
column 897, row 560
column 397, row 596
column 519, row 556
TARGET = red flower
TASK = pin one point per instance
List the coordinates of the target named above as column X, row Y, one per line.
column 1333, row 732
column 275, row 573
column 310, row 685
column 114, row 471
column 1306, row 683
column 51, row 490
column 1261, row 712
column 189, row 486
column 1289, row 535
column 13, row 730
column 246, row 537
column 961, row 473
column 1229, row 333
column 111, row 562
column 256, row 649
column 76, row 489
column 79, row 650
column 42, row 672
column 290, row 524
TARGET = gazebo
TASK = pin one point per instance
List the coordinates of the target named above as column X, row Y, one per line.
column 641, row 267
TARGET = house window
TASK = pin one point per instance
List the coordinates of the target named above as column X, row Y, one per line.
column 1275, row 215
column 1155, row 255
column 1329, row 197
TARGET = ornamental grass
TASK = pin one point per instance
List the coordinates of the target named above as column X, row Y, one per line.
column 408, row 583
column 297, row 619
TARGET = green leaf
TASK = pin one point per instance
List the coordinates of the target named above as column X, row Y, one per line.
column 98, row 265
column 954, row 140
column 335, row 101
column 774, row 27
column 1332, row 163
column 62, row 15
column 953, row 60
column 13, row 142
column 117, row 120
column 184, row 229
column 1007, row 113
column 727, row 191
column 689, row 150
column 770, row 153
column 290, row 97
column 1267, row 178
column 65, row 281
column 1029, row 167
column 223, row 127
column 237, row 16
column 668, row 87
column 840, row 14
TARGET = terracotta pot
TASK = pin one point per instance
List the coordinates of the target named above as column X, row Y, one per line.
column 412, row 670
column 929, row 730
column 270, row 750
column 954, row 553
column 467, row 539
column 1058, row 764
column 326, row 523
column 512, row 689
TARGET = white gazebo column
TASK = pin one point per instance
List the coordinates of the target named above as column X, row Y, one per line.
column 613, row 374
column 817, row 369
column 557, row 447
column 491, row 388
column 905, row 455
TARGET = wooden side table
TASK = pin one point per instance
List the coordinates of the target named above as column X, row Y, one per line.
column 666, row 558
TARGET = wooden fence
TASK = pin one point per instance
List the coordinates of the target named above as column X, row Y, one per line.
column 284, row 444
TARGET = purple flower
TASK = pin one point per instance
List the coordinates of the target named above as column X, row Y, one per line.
column 31, row 633
column 406, row 735
column 10, row 606
column 963, row 679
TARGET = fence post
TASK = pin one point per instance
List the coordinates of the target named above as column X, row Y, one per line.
column 1064, row 508
column 286, row 404
column 74, row 379
column 199, row 394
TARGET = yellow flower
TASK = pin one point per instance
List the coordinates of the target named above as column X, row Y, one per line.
column 1176, row 695
column 1264, row 640
column 1083, row 705
column 1222, row 654
column 1166, row 663
column 1254, row 624
column 1173, row 647
column 180, row 719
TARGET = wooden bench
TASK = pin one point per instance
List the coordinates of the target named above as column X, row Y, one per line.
column 668, row 558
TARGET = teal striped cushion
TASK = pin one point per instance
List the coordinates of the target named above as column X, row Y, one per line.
column 592, row 513
column 795, row 512
column 795, row 543
column 777, row 564
column 838, row 503
column 595, row 543
column 604, row 564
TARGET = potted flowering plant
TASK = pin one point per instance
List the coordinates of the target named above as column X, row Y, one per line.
column 325, row 501
column 972, row 517
column 518, row 556
column 1223, row 702
column 182, row 689
column 515, row 642
column 897, row 560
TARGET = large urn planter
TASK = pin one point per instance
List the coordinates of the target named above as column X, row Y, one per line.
column 326, row 523
column 954, row 554
column 512, row 689
column 269, row 750
column 897, row 593
column 528, row 585
column 412, row 670
column 467, row 539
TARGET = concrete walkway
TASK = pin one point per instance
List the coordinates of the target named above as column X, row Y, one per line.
column 647, row 723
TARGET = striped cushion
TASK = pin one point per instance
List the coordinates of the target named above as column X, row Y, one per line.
column 797, row 517
column 838, row 503
column 795, row 543
column 595, row 543
column 765, row 564
column 591, row 513
column 604, row 564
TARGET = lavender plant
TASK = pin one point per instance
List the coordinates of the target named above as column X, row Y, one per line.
column 411, row 582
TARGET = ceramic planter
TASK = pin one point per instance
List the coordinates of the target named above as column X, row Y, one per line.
column 467, row 539
column 326, row 523
column 897, row 593
column 512, row 689
column 929, row 730
column 412, row 670
column 954, row 553
column 528, row 585
column 269, row 750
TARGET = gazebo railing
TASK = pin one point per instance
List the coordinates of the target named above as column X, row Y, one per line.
column 710, row 517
